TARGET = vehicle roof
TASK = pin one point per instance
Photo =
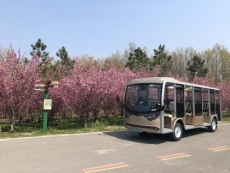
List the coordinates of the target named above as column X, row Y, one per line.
column 160, row 80
column 152, row 80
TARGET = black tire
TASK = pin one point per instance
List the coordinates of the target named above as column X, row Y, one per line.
column 213, row 126
column 177, row 133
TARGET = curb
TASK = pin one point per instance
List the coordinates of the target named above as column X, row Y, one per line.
column 58, row 135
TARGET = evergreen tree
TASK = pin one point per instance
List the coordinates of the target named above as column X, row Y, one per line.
column 137, row 60
column 39, row 49
column 63, row 55
column 66, row 61
column 163, row 59
column 196, row 67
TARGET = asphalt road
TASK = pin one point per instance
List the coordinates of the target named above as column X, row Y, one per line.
column 118, row 152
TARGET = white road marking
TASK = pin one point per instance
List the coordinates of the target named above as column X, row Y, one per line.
column 104, row 151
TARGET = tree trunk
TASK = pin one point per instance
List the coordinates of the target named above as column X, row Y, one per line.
column 85, row 124
column 12, row 127
column 12, row 122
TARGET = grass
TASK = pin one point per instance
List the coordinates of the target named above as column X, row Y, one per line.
column 67, row 126
column 226, row 118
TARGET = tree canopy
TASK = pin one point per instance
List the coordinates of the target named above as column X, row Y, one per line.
column 138, row 60
column 197, row 67
column 39, row 49
column 88, row 87
column 162, row 58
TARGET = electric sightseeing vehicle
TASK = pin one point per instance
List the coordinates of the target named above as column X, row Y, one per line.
column 165, row 105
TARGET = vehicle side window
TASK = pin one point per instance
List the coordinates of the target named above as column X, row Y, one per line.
column 217, row 97
column 169, row 98
column 198, row 102
column 188, row 99
column 205, row 101
column 212, row 102
column 180, row 101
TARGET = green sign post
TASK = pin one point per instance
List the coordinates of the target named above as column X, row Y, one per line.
column 45, row 113
column 44, row 85
column 47, row 104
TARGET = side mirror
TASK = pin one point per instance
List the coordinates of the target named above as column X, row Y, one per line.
column 118, row 99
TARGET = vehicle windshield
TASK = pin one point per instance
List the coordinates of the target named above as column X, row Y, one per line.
column 143, row 98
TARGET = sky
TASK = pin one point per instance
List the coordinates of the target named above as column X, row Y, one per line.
column 99, row 28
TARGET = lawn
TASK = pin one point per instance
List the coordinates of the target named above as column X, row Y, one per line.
column 67, row 126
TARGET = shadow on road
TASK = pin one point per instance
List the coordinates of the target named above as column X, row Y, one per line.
column 135, row 137
column 192, row 132
column 151, row 138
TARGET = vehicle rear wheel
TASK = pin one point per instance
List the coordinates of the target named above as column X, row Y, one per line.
column 177, row 133
column 213, row 126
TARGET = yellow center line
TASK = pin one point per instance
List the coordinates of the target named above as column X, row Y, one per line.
column 222, row 149
column 104, row 166
column 176, row 157
column 106, row 169
column 215, row 148
column 171, row 155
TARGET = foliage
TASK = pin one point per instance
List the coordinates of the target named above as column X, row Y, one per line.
column 217, row 61
column 66, row 62
column 226, row 116
column 138, row 60
column 88, row 87
column 16, row 85
column 115, row 60
column 38, row 49
column 180, row 58
column 90, row 90
column 163, row 59
column 196, row 67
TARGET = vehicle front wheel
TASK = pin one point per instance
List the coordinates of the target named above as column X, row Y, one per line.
column 213, row 126
column 177, row 133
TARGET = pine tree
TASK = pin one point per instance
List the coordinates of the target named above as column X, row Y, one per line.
column 39, row 49
column 196, row 67
column 66, row 61
column 137, row 60
column 163, row 59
